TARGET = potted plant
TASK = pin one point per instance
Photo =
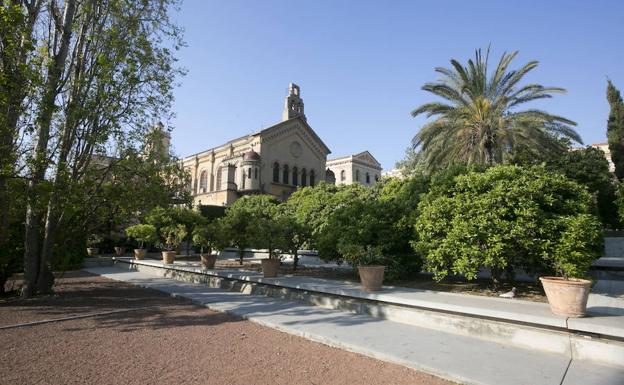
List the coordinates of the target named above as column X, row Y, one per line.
column 369, row 262
column 579, row 245
column 93, row 243
column 172, row 236
column 119, row 241
column 143, row 234
column 204, row 236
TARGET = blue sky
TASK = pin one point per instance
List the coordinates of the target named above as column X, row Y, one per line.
column 361, row 64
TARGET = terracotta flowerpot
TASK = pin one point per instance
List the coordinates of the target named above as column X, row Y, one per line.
column 208, row 261
column 270, row 267
column 168, row 257
column 371, row 277
column 140, row 253
column 119, row 251
column 567, row 297
column 93, row 251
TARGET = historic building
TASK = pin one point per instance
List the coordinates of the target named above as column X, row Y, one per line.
column 605, row 148
column 274, row 161
column 357, row 168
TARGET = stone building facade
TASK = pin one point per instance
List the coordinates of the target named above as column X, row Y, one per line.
column 357, row 168
column 275, row 160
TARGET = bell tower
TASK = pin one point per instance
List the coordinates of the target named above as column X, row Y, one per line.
column 293, row 105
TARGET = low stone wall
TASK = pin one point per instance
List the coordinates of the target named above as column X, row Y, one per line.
column 544, row 338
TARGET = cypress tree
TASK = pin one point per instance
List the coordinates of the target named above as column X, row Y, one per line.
column 615, row 129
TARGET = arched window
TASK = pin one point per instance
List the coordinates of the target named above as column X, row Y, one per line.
column 249, row 173
column 343, row 175
column 311, row 177
column 203, row 182
column 285, row 174
column 256, row 173
column 295, row 180
column 367, row 178
column 304, row 177
column 276, row 172
column 219, row 172
column 357, row 175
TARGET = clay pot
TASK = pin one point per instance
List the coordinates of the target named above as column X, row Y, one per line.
column 208, row 261
column 93, row 251
column 168, row 257
column 567, row 297
column 140, row 253
column 371, row 277
column 270, row 267
column 119, row 251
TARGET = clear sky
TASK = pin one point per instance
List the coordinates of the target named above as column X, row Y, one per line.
column 361, row 64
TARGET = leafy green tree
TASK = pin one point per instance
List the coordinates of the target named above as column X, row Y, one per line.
column 479, row 120
column 18, row 76
column 312, row 206
column 144, row 234
column 505, row 218
column 589, row 167
column 206, row 237
column 110, row 71
column 296, row 233
column 615, row 128
column 240, row 227
column 412, row 163
column 190, row 219
column 173, row 235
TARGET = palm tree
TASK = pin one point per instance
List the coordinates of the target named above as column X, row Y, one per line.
column 479, row 120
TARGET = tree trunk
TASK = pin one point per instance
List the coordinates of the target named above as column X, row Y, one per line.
column 36, row 272
column 241, row 254
column 295, row 260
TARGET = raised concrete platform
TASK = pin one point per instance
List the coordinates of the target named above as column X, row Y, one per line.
column 516, row 323
column 460, row 358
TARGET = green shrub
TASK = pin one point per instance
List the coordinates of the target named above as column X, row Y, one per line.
column 206, row 237
column 505, row 218
column 173, row 235
column 143, row 234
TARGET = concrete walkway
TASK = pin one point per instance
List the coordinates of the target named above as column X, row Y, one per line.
column 455, row 357
column 605, row 305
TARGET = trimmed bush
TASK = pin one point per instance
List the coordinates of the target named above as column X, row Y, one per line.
column 505, row 218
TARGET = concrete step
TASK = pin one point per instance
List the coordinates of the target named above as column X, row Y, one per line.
column 521, row 324
column 451, row 356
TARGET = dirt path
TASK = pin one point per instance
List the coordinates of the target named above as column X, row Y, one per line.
column 161, row 340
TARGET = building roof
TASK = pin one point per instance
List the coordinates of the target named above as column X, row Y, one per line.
column 301, row 120
column 364, row 156
column 251, row 155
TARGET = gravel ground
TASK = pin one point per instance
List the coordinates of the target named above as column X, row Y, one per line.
column 161, row 340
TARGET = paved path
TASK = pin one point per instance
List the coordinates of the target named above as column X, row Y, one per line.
column 605, row 306
column 454, row 357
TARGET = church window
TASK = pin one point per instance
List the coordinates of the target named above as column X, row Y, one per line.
column 276, row 172
column 343, row 175
column 203, row 181
column 249, row 173
column 255, row 173
column 357, row 175
column 367, row 178
column 285, row 174
column 304, row 177
column 295, row 179
column 311, row 177
column 219, row 172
